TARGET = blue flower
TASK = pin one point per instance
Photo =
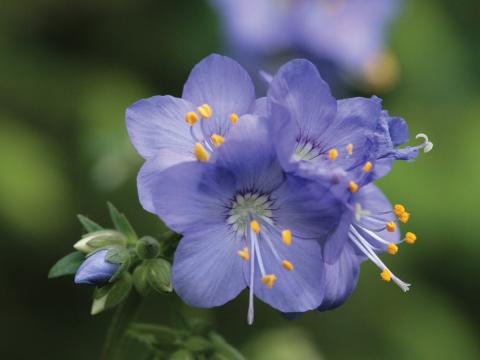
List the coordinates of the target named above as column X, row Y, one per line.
column 317, row 135
column 166, row 130
column 350, row 33
column 95, row 270
column 245, row 223
column 368, row 227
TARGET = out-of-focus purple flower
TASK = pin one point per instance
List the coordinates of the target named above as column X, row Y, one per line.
column 245, row 222
column 349, row 33
column 95, row 270
column 166, row 130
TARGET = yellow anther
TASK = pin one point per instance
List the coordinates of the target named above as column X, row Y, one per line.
column 200, row 153
column 352, row 186
column 255, row 226
column 287, row 237
column 244, row 254
column 410, row 238
column 287, row 265
column 392, row 249
column 269, row 280
column 367, row 167
column 349, row 149
column 385, row 275
column 217, row 140
column 332, row 154
column 205, row 111
column 398, row 209
column 390, row 226
column 233, row 118
column 191, row 118
column 404, row 217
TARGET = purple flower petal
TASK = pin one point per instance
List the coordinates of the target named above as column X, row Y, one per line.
column 95, row 270
column 207, row 271
column 159, row 122
column 224, row 85
column 341, row 278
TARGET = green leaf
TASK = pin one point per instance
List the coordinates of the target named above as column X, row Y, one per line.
column 163, row 335
column 121, row 223
column 88, row 224
column 160, row 275
column 117, row 256
column 224, row 348
column 197, row 344
column 119, row 290
column 181, row 355
column 110, row 295
column 68, row 265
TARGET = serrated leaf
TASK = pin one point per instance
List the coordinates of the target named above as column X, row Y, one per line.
column 89, row 225
column 121, row 223
column 68, row 265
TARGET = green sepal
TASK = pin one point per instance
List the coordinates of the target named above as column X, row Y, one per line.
column 182, row 355
column 110, row 295
column 140, row 280
column 89, row 225
column 148, row 248
column 163, row 335
column 121, row 223
column 159, row 275
column 68, row 265
column 197, row 344
column 121, row 257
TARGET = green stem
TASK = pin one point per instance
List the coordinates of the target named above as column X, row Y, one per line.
column 123, row 316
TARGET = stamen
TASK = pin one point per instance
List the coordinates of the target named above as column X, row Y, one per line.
column 404, row 217
column 200, row 153
column 349, row 149
column 287, row 237
column 217, row 140
column 244, row 254
column 386, row 275
column 205, row 111
column 364, row 246
column 332, row 154
column 233, row 118
column 269, row 280
column 427, row 145
column 250, row 314
column 287, row 265
column 390, row 226
column 398, row 209
column 191, row 118
column 255, row 226
column 352, row 186
column 392, row 249
column 367, row 167
column 410, row 238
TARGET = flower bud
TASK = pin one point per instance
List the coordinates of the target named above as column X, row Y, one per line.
column 100, row 239
column 95, row 270
column 159, row 275
column 148, row 248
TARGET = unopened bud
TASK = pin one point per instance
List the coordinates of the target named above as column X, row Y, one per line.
column 148, row 248
column 159, row 275
column 100, row 239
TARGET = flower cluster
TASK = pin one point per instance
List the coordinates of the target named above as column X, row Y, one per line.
column 348, row 33
column 275, row 194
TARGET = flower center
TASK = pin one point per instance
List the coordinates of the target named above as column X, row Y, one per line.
column 246, row 207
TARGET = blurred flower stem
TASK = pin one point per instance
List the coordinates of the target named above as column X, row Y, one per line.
column 122, row 318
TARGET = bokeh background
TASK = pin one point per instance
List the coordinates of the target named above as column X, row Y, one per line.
column 68, row 69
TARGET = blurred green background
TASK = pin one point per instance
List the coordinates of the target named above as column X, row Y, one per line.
column 68, row 69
